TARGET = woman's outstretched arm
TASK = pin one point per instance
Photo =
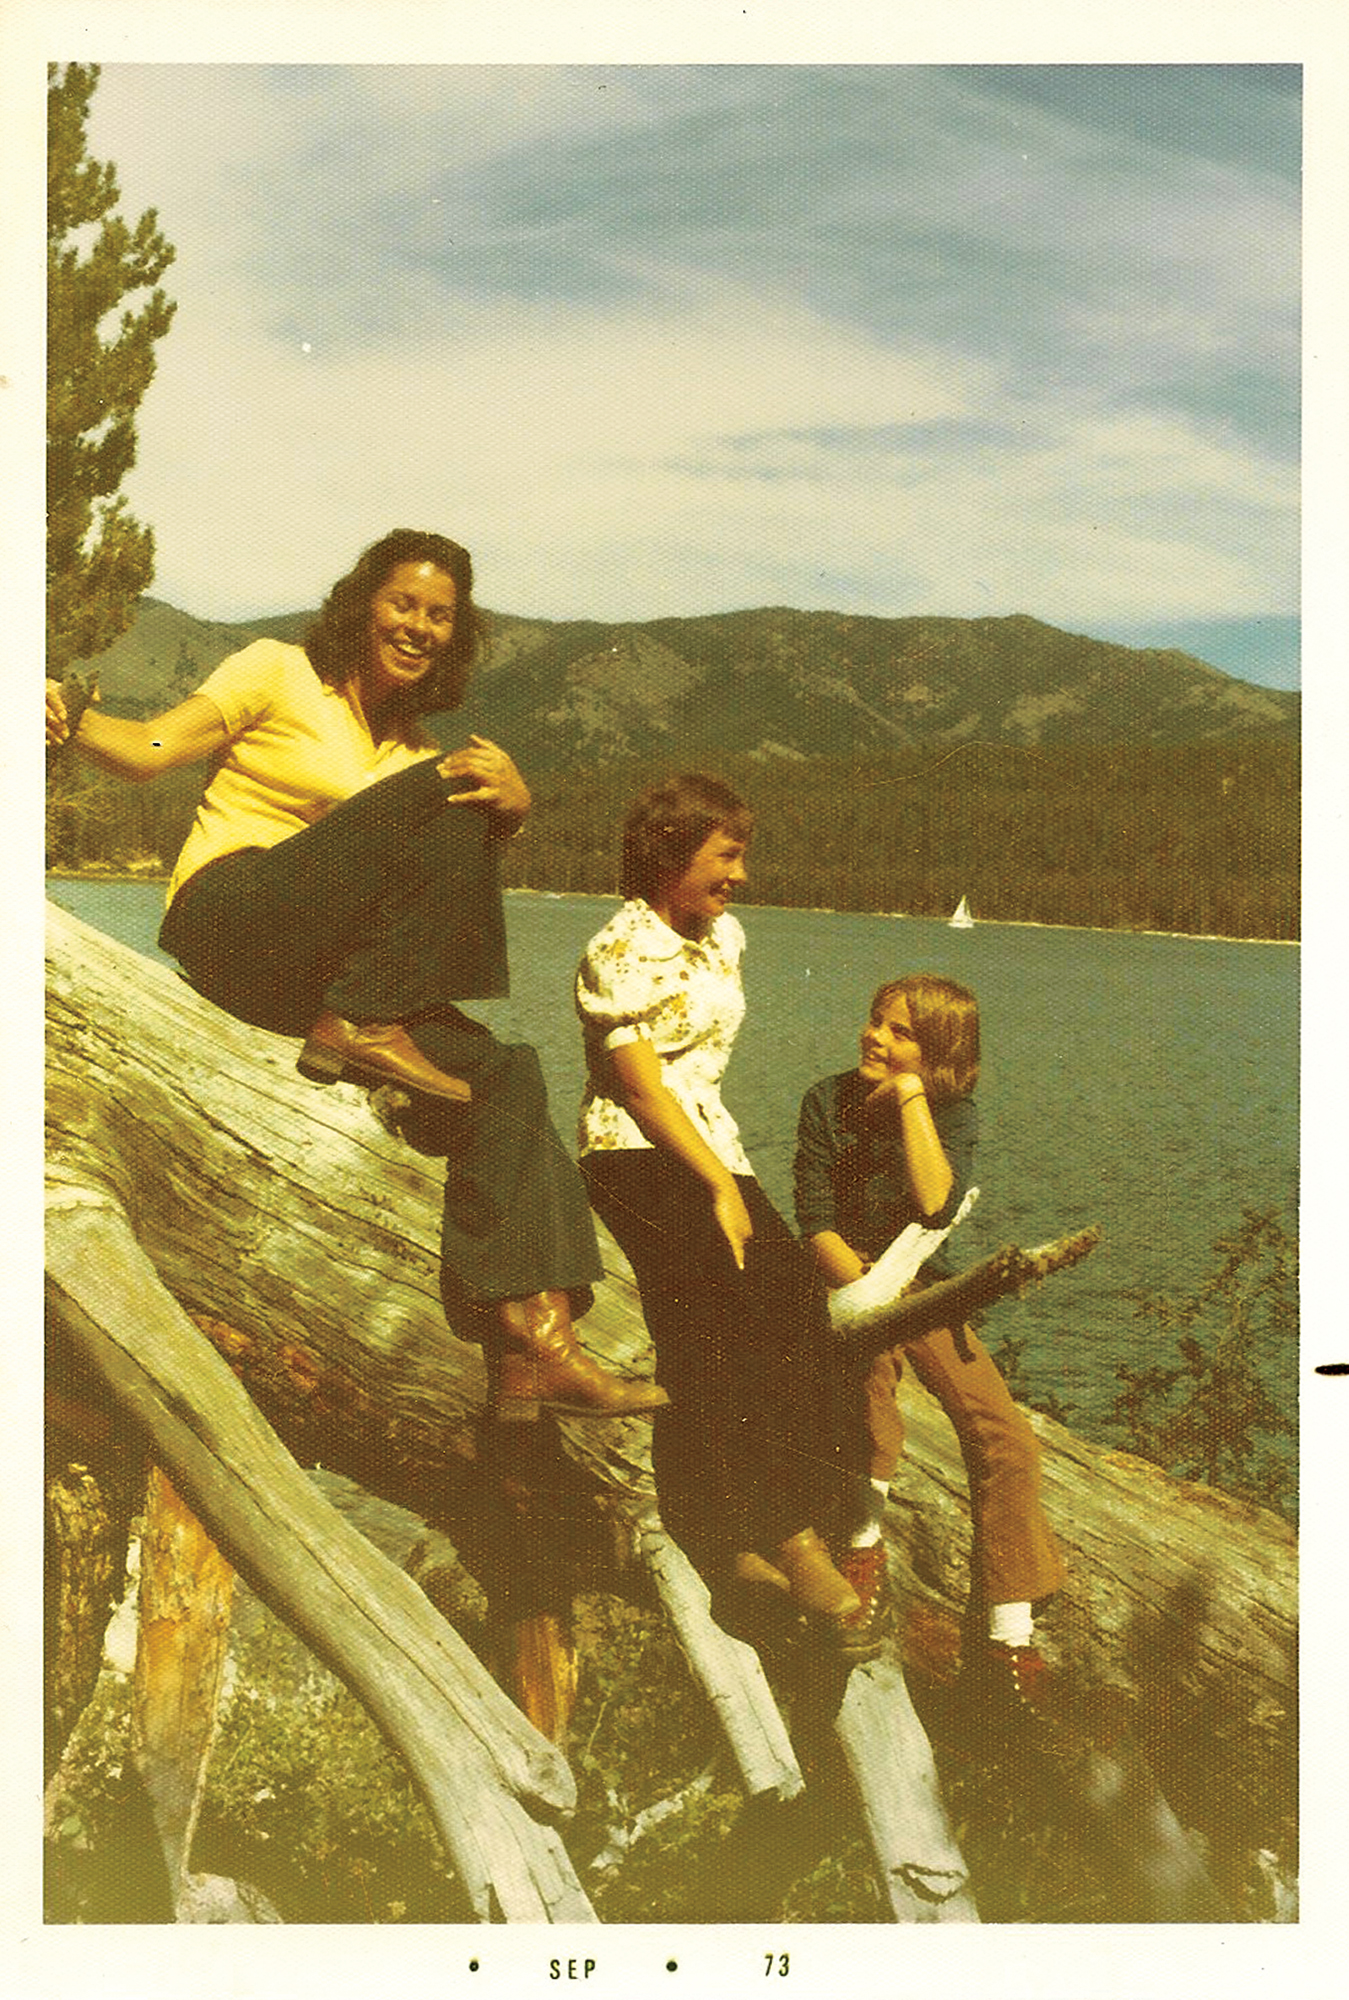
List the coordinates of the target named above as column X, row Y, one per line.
column 187, row 734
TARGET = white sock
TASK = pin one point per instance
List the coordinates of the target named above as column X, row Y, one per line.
column 866, row 1536
column 1010, row 1624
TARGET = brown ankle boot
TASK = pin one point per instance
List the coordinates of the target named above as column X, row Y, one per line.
column 539, row 1366
column 815, row 1583
column 750, row 1567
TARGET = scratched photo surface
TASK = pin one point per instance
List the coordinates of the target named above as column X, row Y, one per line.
column 911, row 443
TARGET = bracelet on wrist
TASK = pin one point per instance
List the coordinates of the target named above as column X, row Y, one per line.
column 913, row 1096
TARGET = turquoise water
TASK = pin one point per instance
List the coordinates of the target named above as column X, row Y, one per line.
column 1145, row 1083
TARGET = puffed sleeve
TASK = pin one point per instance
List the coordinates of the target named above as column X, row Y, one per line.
column 617, row 989
column 813, row 1166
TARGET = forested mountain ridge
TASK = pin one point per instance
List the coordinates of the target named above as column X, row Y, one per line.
column 776, row 682
column 893, row 764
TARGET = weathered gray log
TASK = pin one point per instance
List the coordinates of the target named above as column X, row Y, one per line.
column 921, row 1870
column 481, row 1767
column 920, row 1867
column 729, row 1672
column 305, row 1237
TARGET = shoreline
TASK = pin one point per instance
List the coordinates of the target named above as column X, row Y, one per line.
column 159, row 874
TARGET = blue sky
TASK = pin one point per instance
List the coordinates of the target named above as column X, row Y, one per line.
column 659, row 340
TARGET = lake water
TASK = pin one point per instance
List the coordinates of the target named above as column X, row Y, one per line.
column 1145, row 1083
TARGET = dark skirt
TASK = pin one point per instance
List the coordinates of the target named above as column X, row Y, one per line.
column 749, row 1451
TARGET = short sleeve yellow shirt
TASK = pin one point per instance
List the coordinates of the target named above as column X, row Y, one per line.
column 297, row 748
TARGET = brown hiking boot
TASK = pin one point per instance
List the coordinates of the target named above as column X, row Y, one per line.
column 1009, row 1683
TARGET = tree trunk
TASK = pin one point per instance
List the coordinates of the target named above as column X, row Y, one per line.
column 186, row 1594
column 191, row 1170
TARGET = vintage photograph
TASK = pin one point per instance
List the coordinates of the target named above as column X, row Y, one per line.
column 673, row 858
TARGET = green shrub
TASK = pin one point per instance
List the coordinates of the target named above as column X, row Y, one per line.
column 1211, row 1416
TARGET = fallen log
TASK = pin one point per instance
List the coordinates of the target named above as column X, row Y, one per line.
column 922, row 1871
column 302, row 1237
column 729, row 1671
column 484, row 1772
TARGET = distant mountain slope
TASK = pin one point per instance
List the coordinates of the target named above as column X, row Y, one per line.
column 795, row 684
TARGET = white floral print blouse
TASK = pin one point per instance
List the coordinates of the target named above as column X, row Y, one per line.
column 639, row 979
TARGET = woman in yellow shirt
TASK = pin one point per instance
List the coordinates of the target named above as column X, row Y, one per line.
column 340, row 883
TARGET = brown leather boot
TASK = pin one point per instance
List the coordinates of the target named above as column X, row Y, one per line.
column 815, row 1583
column 373, row 1053
column 539, row 1366
column 750, row 1567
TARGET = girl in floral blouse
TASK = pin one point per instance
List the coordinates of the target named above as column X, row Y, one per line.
column 747, row 1467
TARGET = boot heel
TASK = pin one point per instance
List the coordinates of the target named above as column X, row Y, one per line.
column 515, row 1410
column 815, row 1583
column 320, row 1065
column 512, row 1391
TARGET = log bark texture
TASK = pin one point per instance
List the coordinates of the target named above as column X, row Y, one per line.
column 302, row 1237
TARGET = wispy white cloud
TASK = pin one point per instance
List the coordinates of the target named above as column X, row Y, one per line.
column 660, row 340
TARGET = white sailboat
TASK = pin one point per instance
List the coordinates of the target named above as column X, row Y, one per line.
column 961, row 919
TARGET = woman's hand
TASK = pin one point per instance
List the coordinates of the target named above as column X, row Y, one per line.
column 497, row 784
column 926, row 1166
column 839, row 1263
column 58, row 729
column 728, row 1205
column 66, row 703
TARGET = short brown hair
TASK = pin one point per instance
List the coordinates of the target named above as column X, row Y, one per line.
column 667, row 824
column 945, row 1020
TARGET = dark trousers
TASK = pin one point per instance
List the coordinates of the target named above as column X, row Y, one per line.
column 748, row 1452
column 389, row 909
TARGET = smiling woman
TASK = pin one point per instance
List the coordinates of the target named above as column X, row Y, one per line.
column 414, row 593
column 340, row 882
column 411, row 624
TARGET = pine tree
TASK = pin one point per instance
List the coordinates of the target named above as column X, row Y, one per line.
column 99, row 558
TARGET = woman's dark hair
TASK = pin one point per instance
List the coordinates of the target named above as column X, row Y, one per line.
column 945, row 1020
column 338, row 641
column 669, row 822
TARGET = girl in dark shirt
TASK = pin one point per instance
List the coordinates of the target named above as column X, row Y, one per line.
column 878, row 1147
